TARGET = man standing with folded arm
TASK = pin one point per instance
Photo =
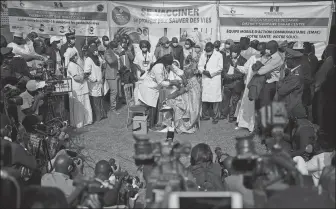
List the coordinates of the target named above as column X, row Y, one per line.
column 211, row 66
column 272, row 68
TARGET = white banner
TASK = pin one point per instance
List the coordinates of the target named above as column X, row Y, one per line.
column 87, row 18
column 299, row 22
column 162, row 15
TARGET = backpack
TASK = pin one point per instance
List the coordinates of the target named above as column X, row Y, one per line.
column 209, row 181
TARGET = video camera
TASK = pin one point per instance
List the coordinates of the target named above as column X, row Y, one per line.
column 277, row 167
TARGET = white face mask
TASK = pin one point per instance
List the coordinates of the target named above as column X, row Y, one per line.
column 268, row 52
column 234, row 54
column 144, row 49
column 227, row 46
column 95, row 53
column 187, row 46
column 59, row 45
column 174, row 44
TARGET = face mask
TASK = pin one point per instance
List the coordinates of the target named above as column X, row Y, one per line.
column 268, row 52
column 175, row 44
column 166, row 45
column 197, row 50
column 59, row 46
column 187, row 46
column 95, row 53
column 144, row 49
column 209, row 53
column 227, row 46
column 106, row 43
column 234, row 54
column 72, row 41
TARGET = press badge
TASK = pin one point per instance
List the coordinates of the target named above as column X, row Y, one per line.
column 145, row 63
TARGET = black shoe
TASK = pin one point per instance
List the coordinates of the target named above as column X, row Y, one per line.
column 232, row 120
column 222, row 117
column 214, row 121
column 205, row 118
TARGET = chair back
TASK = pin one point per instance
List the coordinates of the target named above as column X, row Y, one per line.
column 128, row 89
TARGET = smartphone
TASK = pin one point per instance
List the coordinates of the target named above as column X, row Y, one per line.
column 205, row 200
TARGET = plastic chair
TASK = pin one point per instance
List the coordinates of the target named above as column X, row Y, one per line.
column 131, row 107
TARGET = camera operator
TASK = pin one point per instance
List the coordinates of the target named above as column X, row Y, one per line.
column 61, row 177
column 103, row 171
column 207, row 173
column 13, row 155
column 32, row 100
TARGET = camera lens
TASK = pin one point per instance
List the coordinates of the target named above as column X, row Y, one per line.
column 143, row 150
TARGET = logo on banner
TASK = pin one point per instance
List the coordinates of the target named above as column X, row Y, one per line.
column 274, row 11
column 121, row 15
column 233, row 12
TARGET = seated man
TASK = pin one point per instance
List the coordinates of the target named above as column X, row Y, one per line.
column 32, row 100
column 186, row 102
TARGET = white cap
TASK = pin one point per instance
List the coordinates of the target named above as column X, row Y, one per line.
column 18, row 34
column 54, row 38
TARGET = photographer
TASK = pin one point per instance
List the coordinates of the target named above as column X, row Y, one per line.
column 32, row 100
column 64, row 166
column 103, row 171
column 207, row 173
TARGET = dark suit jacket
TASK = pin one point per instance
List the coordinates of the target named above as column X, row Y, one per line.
column 290, row 91
column 178, row 54
column 236, row 80
column 111, row 59
column 52, row 53
column 255, row 85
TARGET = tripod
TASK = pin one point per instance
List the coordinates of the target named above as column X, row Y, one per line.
column 44, row 146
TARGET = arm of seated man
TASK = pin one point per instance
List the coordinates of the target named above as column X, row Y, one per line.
column 31, row 109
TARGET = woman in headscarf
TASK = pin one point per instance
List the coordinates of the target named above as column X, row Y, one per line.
column 143, row 60
column 93, row 71
column 163, row 48
column 155, row 79
column 186, row 102
column 80, row 107
column 324, row 102
column 189, row 52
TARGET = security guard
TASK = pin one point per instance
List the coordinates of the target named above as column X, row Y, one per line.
column 290, row 90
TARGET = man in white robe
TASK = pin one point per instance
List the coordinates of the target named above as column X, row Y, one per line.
column 211, row 66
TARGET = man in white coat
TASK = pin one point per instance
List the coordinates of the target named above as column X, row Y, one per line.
column 211, row 66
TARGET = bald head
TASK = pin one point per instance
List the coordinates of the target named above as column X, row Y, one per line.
column 63, row 164
column 103, row 170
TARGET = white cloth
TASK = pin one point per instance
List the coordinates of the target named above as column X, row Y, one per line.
column 69, row 53
column 22, row 50
column 246, row 114
column 95, row 80
column 314, row 166
column 248, row 53
column 211, row 87
column 144, row 61
column 79, row 101
column 149, row 88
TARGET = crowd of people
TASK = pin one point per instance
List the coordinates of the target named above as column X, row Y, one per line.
column 222, row 80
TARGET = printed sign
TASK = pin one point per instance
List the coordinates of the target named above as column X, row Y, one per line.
column 87, row 18
column 163, row 16
column 304, row 21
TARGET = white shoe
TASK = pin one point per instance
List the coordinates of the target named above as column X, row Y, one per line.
column 238, row 128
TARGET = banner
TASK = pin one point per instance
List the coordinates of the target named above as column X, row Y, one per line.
column 299, row 22
column 162, row 15
column 87, row 18
column 152, row 20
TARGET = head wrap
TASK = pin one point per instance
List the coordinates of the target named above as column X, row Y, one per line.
column 178, row 63
column 229, row 41
column 70, row 52
column 165, row 60
column 164, row 40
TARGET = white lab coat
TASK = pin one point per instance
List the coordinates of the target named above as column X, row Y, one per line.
column 211, row 87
